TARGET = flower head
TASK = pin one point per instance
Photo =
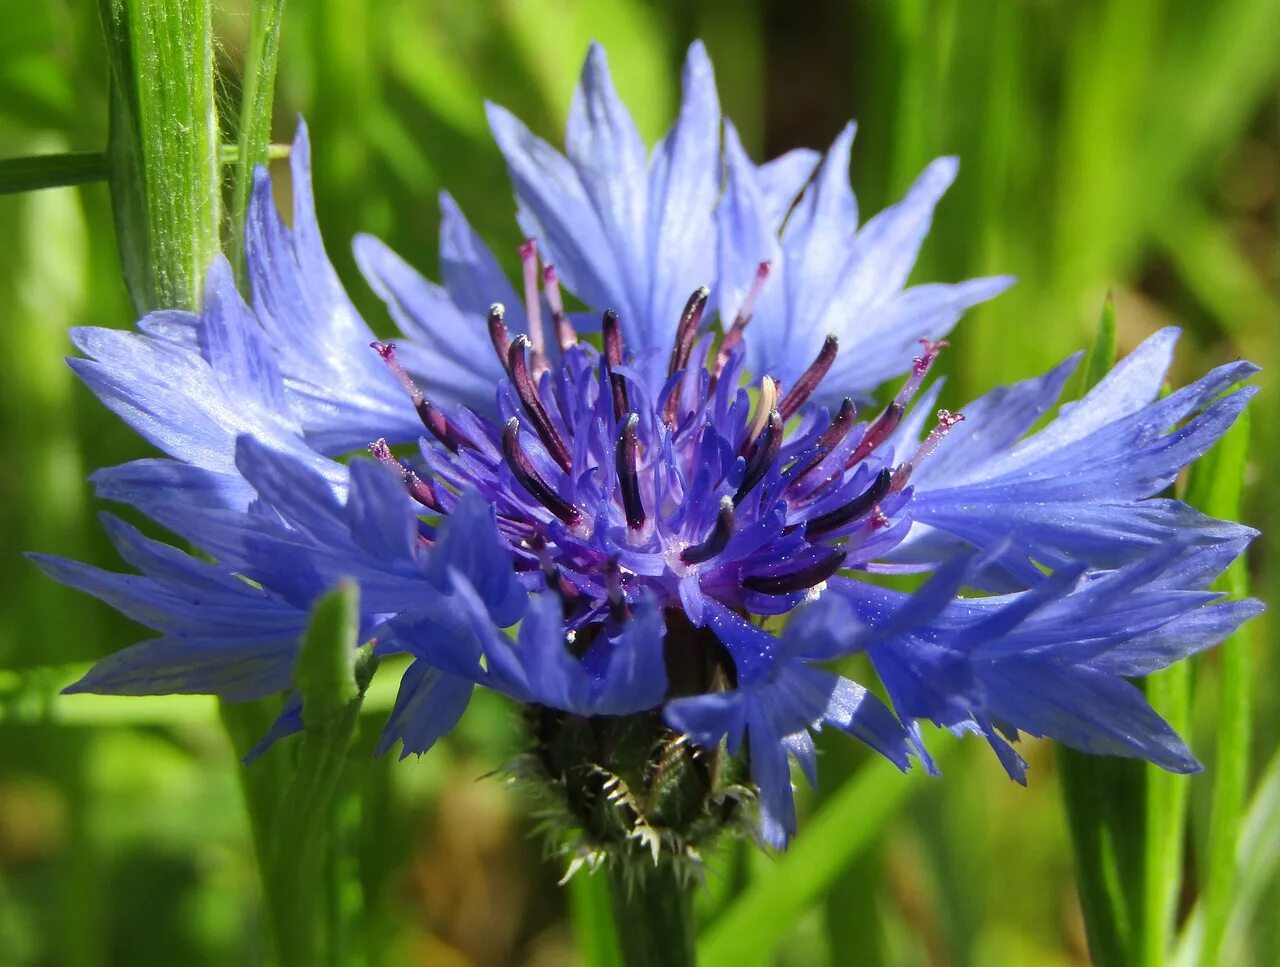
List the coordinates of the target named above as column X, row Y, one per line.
column 652, row 535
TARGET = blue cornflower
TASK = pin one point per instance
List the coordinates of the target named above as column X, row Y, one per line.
column 611, row 530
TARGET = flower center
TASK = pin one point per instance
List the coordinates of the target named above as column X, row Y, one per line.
column 616, row 475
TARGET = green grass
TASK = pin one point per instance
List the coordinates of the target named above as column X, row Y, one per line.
column 1127, row 147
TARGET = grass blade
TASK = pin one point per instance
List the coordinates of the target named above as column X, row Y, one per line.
column 1215, row 487
column 254, row 137
column 835, row 836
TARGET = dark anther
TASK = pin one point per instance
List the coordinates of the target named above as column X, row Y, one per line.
column 766, row 452
column 498, row 331
column 840, row 426
column 858, row 507
column 810, row 378
column 518, row 370
column 529, row 478
column 717, row 540
column 612, row 330
column 628, row 479
column 811, row 574
column 877, row 432
column 422, row 492
column 830, row 438
column 687, row 330
column 430, row 415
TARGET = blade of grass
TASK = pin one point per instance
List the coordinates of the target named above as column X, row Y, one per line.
column 1105, row 797
column 1215, row 488
column 1256, row 870
column 254, row 136
column 835, row 836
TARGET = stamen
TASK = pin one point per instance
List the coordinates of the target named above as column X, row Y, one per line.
column 612, row 331
column 831, row 438
column 529, row 478
column 419, row 489
column 764, row 408
column 686, row 333
column 428, row 413
column 877, row 432
column 841, row 423
column 919, row 367
column 498, row 331
column 518, row 369
column 946, row 420
column 532, row 302
column 810, row 379
column 628, row 479
column 717, row 540
column 565, row 333
column 765, row 454
column 687, row 330
column 854, row 509
column 734, row 336
column 805, row 577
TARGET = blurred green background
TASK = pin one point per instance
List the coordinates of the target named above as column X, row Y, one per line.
column 1130, row 146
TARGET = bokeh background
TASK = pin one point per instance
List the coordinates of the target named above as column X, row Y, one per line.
column 1130, row 146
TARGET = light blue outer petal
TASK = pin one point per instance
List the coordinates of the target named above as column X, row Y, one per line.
column 624, row 232
column 339, row 391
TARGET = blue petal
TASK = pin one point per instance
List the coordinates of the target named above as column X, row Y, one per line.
column 635, row 677
column 237, row 671
column 469, row 544
column 428, row 705
column 609, row 156
column 555, row 209
column 340, row 392
column 683, row 186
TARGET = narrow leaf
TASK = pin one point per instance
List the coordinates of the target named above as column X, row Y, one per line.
column 51, row 171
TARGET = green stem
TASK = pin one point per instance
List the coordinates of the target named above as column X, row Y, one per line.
column 653, row 913
column 163, row 147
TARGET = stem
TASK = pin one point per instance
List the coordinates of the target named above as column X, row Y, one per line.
column 653, row 914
